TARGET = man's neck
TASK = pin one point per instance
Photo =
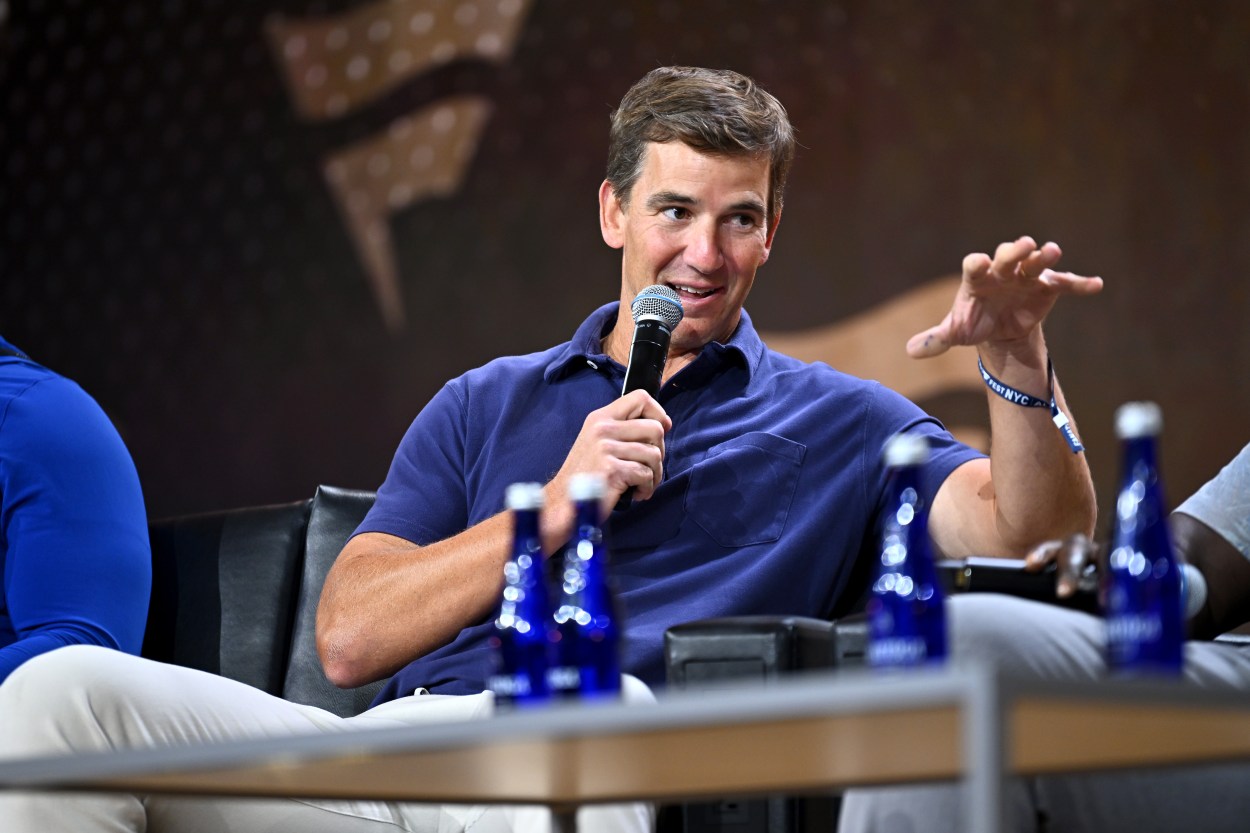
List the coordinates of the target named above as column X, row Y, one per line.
column 616, row 342
column 617, row 345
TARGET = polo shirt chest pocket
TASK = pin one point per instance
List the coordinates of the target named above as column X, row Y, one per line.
column 740, row 493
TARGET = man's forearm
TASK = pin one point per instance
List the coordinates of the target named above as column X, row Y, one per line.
column 1227, row 574
column 1042, row 489
column 388, row 601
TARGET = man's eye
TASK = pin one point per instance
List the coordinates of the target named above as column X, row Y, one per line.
column 676, row 212
column 743, row 221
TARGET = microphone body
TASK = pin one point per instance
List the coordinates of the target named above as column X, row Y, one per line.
column 656, row 312
column 647, row 356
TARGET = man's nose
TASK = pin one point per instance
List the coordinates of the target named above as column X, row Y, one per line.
column 703, row 252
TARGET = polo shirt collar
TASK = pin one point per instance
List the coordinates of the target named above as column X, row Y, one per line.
column 586, row 348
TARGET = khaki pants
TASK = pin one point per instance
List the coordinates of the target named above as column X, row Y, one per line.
column 84, row 698
column 1032, row 638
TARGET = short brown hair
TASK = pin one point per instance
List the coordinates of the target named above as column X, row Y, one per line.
column 715, row 111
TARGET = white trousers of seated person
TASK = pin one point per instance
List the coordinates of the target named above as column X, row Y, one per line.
column 1028, row 637
column 85, row 698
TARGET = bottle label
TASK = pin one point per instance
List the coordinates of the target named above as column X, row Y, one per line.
column 510, row 685
column 1144, row 625
column 897, row 650
column 564, row 678
column 1125, row 630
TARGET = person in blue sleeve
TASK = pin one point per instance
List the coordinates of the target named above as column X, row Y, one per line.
column 757, row 481
column 73, row 532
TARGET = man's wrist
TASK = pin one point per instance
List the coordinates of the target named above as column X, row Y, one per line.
column 1024, row 356
column 555, row 524
column 1026, row 400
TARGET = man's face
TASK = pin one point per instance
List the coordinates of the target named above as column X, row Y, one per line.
column 696, row 223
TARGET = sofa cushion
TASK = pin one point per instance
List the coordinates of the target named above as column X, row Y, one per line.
column 333, row 517
column 224, row 591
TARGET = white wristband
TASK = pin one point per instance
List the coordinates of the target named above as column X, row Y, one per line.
column 1194, row 586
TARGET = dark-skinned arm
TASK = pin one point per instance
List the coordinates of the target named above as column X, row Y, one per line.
column 1226, row 570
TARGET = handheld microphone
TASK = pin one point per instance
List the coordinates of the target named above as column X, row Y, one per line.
column 657, row 312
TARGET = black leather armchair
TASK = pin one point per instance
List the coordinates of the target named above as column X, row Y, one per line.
column 235, row 593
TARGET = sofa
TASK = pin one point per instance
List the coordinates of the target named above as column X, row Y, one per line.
column 235, row 593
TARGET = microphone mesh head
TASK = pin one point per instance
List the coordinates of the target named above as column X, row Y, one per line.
column 659, row 301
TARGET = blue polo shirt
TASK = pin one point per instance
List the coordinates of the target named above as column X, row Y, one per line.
column 771, row 503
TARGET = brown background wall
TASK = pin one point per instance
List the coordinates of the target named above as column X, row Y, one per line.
column 169, row 237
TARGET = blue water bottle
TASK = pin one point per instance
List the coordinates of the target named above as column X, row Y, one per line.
column 1144, row 607
column 523, row 627
column 906, row 611
column 587, row 661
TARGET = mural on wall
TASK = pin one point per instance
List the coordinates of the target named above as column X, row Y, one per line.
column 264, row 234
column 336, row 64
column 869, row 345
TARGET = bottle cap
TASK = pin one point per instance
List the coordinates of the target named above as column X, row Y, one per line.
column 1138, row 419
column 906, row 450
column 586, row 486
column 524, row 496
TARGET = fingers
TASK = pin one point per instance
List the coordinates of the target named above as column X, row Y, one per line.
column 1021, row 259
column 1074, row 558
column 1042, row 556
column 1025, row 260
column 637, row 465
column 1012, row 253
column 932, row 342
column 976, row 267
column 1070, row 284
column 624, row 442
column 1004, row 299
column 639, row 404
column 629, row 452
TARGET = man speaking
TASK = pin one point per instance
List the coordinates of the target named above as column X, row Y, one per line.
column 756, row 480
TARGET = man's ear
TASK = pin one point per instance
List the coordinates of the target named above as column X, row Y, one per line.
column 611, row 216
column 768, row 240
